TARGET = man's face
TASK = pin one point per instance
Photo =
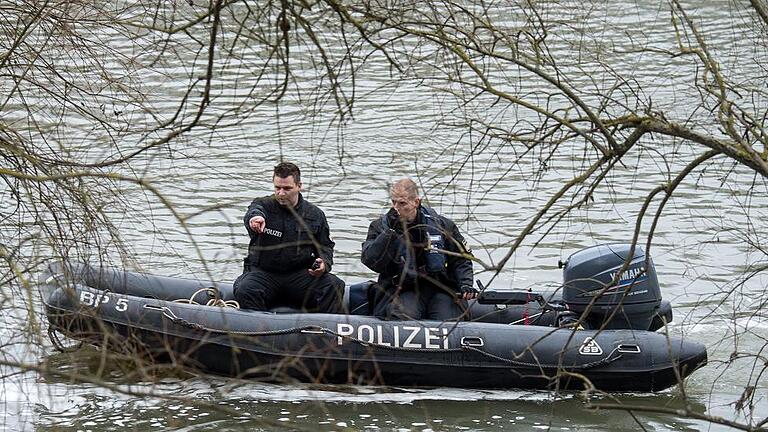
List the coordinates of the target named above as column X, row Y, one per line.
column 286, row 191
column 406, row 206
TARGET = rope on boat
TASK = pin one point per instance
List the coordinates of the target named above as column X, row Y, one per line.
column 604, row 361
column 214, row 301
column 195, row 326
column 167, row 313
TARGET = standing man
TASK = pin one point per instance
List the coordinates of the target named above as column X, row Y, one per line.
column 407, row 246
column 290, row 253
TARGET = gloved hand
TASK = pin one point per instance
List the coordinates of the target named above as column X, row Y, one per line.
column 318, row 268
column 468, row 292
column 393, row 220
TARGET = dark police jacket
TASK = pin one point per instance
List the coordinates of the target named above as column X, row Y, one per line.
column 388, row 254
column 292, row 240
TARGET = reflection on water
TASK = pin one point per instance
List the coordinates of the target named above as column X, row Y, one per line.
column 214, row 404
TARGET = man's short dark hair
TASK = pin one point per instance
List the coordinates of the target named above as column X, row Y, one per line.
column 287, row 169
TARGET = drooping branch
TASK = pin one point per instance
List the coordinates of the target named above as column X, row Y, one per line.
column 555, row 198
column 761, row 9
column 677, row 412
column 730, row 148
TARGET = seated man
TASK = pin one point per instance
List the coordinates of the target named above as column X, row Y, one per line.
column 416, row 279
column 290, row 252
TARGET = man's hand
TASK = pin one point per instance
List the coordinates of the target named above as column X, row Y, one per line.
column 394, row 222
column 257, row 224
column 467, row 292
column 318, row 268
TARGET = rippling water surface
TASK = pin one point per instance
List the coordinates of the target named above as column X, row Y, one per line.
column 211, row 403
column 346, row 171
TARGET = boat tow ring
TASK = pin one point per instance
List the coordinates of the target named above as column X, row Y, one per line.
column 472, row 341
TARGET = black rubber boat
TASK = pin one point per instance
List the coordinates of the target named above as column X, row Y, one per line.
column 618, row 351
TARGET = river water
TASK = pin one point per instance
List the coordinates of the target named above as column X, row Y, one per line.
column 700, row 247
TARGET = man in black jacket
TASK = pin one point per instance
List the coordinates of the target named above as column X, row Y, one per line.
column 290, row 253
column 406, row 247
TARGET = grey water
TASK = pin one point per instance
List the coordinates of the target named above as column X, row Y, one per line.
column 396, row 131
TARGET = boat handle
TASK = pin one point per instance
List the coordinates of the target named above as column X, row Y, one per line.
column 472, row 341
column 629, row 348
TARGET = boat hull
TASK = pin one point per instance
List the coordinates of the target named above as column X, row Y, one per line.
column 108, row 307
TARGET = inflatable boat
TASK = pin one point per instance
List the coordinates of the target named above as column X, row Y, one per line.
column 596, row 332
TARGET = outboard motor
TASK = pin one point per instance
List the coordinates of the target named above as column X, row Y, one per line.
column 633, row 301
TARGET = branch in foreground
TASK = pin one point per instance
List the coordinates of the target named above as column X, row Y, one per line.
column 688, row 413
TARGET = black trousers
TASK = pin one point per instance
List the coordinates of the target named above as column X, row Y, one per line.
column 262, row 290
column 423, row 302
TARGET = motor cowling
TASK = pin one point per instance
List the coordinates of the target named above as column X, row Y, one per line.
column 630, row 301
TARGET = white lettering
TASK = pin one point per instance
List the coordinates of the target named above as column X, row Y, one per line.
column 90, row 299
column 408, row 341
column 429, row 337
column 121, row 305
column 365, row 329
column 629, row 274
column 344, row 330
column 273, row 232
column 380, row 333
column 368, row 334
column 86, row 298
